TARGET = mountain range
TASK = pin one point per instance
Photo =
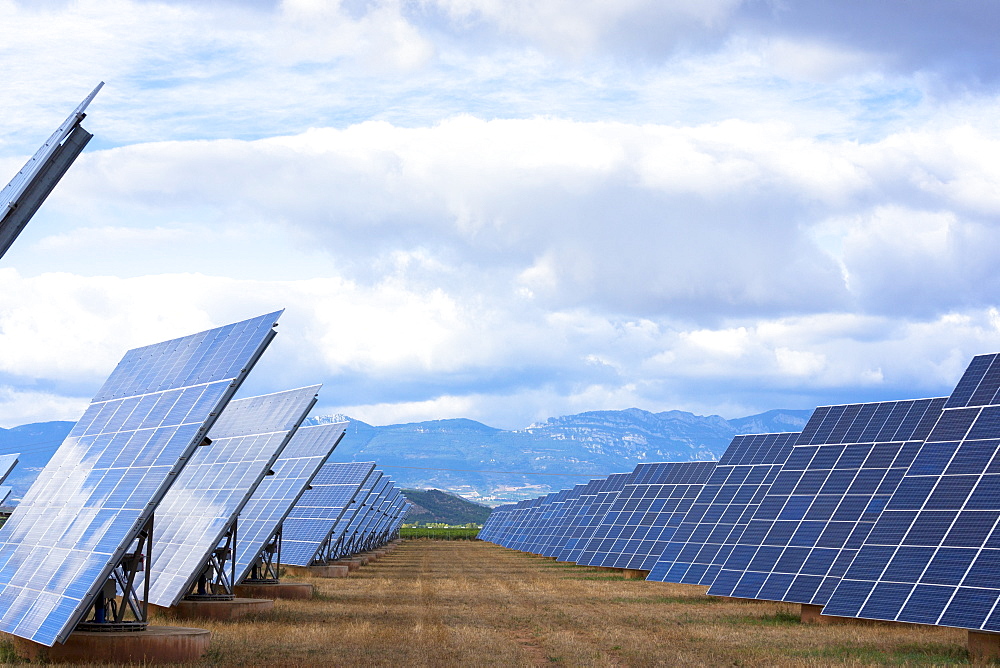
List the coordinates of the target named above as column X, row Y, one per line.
column 489, row 465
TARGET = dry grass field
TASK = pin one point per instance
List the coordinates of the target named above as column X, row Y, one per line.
column 467, row 603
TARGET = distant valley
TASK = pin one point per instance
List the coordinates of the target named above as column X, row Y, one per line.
column 465, row 457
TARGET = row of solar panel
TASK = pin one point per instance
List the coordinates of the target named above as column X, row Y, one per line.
column 137, row 451
column 887, row 511
column 163, row 437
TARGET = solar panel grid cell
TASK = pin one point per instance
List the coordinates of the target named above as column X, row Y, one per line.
column 824, row 501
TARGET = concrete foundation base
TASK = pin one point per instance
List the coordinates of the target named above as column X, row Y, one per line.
column 158, row 644
column 984, row 646
column 295, row 591
column 221, row 610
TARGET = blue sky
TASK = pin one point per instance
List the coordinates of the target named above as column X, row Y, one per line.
column 508, row 210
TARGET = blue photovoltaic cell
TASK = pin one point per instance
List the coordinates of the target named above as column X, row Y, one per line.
column 589, row 519
column 208, row 495
column 645, row 514
column 312, row 518
column 823, row 502
column 98, row 490
column 276, row 494
column 933, row 556
column 722, row 510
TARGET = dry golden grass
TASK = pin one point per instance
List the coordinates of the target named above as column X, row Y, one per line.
column 464, row 603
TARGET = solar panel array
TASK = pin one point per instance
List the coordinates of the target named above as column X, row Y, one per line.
column 645, row 514
column 886, row 510
column 92, row 499
column 272, row 501
column 25, row 193
column 933, row 556
column 208, row 495
column 838, row 477
column 722, row 510
column 313, row 517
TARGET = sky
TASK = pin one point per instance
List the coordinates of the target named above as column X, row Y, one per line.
column 511, row 210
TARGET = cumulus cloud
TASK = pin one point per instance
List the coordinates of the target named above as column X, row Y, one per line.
column 511, row 210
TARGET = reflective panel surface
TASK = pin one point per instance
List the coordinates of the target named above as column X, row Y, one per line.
column 215, row 484
column 100, row 487
column 276, row 494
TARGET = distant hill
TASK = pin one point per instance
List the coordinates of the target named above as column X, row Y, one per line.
column 433, row 505
column 475, row 461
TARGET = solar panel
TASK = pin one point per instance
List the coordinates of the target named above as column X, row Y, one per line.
column 98, row 491
column 558, row 524
column 590, row 518
column 25, row 193
column 933, row 556
column 549, row 523
column 572, row 516
column 205, row 500
column 832, row 487
column 355, row 533
column 314, row 515
column 528, row 528
column 337, row 542
column 645, row 514
column 272, row 501
column 7, row 464
column 722, row 510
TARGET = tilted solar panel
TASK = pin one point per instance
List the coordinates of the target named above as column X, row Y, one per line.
column 547, row 544
column 722, row 510
column 572, row 517
column 645, row 514
column 354, row 534
column 839, row 476
column 933, row 556
column 314, row 515
column 25, row 193
column 99, row 489
column 272, row 501
column 590, row 518
column 7, row 464
column 217, row 481
column 337, row 542
column 528, row 529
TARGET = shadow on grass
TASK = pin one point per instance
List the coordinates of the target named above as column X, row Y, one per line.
column 928, row 654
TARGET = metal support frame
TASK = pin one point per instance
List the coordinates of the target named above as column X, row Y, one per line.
column 109, row 612
column 266, row 569
column 213, row 582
